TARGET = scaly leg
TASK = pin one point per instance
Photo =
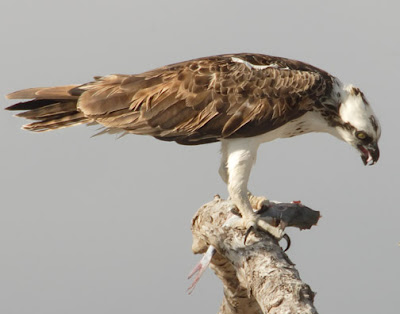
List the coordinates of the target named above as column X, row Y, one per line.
column 223, row 167
column 241, row 155
column 257, row 202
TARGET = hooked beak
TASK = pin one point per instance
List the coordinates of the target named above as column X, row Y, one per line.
column 369, row 153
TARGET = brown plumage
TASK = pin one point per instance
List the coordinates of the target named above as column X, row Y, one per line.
column 242, row 100
column 192, row 102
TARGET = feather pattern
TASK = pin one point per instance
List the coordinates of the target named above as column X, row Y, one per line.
column 192, row 102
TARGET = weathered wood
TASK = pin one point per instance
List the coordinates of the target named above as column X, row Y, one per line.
column 258, row 277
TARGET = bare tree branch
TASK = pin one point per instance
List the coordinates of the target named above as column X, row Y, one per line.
column 258, row 276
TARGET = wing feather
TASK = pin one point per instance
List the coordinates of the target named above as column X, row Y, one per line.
column 209, row 99
column 192, row 102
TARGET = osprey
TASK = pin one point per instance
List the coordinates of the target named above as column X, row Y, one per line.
column 240, row 100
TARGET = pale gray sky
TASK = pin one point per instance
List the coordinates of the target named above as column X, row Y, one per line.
column 99, row 225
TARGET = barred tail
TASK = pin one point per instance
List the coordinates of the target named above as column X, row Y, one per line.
column 53, row 107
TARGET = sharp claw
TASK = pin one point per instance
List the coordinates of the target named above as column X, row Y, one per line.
column 235, row 212
column 247, row 234
column 288, row 242
column 262, row 210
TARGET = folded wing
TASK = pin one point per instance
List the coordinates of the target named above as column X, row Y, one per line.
column 192, row 102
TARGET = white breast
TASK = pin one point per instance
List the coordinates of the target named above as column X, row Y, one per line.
column 309, row 122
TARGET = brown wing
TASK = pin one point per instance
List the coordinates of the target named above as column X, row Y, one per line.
column 204, row 100
column 207, row 99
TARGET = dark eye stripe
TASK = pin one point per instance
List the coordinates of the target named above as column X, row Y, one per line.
column 374, row 124
column 366, row 140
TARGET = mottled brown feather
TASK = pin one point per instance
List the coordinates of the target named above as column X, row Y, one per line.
column 192, row 102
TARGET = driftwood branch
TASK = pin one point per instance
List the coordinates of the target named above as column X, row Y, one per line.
column 258, row 276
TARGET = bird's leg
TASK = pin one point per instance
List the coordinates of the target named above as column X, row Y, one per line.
column 241, row 155
column 257, row 202
column 223, row 167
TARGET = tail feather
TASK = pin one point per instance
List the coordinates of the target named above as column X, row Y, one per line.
column 31, row 104
column 57, row 123
column 49, row 111
column 53, row 108
column 57, row 92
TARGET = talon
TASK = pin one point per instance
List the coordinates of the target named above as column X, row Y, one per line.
column 234, row 211
column 288, row 242
column 262, row 210
column 247, row 234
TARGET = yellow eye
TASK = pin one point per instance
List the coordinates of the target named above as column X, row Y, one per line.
column 361, row 135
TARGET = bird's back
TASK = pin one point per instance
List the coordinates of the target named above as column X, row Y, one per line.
column 192, row 102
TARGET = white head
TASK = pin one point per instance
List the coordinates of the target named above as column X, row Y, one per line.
column 359, row 126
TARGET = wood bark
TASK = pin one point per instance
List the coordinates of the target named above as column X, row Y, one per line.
column 258, row 277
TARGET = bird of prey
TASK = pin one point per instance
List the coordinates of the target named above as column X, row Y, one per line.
column 240, row 100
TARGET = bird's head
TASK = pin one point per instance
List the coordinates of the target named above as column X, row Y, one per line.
column 358, row 124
